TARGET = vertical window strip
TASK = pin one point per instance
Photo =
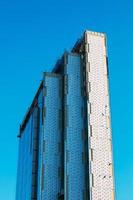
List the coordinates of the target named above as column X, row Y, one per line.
column 67, row 184
column 67, row 156
column 90, row 109
column 87, row 94
column 82, row 80
column 89, row 86
column 43, row 113
column 107, row 66
column 45, row 91
column 81, row 75
column 44, row 145
column 60, row 119
column 87, row 76
column 88, row 66
column 88, row 47
column 66, row 84
column 86, row 58
column 42, row 180
column 31, row 142
column 92, row 179
column 66, row 116
column 65, row 59
column 91, row 154
column 91, row 131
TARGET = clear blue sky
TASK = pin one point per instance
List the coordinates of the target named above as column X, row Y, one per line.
column 33, row 34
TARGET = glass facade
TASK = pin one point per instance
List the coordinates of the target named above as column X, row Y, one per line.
column 74, row 129
column 52, row 132
column 40, row 168
column 27, row 166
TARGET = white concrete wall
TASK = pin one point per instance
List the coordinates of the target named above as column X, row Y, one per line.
column 100, row 140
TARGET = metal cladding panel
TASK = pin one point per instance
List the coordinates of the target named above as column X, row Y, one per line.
column 100, row 148
column 26, row 180
column 74, row 171
column 24, row 165
column 51, row 163
column 40, row 142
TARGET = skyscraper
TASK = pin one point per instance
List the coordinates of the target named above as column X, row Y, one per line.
column 65, row 142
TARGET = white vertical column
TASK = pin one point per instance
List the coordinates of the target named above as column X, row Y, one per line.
column 100, row 140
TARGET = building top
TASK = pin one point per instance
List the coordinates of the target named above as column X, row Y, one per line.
column 34, row 103
column 95, row 33
column 75, row 50
column 30, row 110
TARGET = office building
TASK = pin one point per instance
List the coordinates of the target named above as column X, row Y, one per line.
column 65, row 142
